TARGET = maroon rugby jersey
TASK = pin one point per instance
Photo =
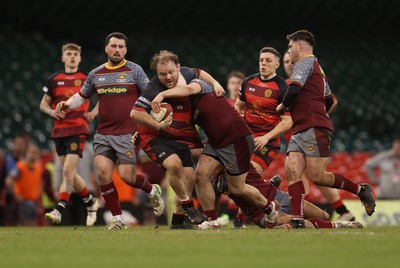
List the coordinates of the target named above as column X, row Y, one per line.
column 221, row 122
column 117, row 89
column 60, row 87
column 308, row 110
column 261, row 98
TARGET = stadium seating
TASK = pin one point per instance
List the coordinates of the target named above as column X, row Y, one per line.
column 365, row 119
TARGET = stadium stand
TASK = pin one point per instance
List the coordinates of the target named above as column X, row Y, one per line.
column 364, row 121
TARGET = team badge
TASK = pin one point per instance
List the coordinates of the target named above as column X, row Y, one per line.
column 267, row 93
column 128, row 153
column 310, row 148
column 69, row 93
column 263, row 150
column 74, row 146
column 229, row 166
column 78, row 82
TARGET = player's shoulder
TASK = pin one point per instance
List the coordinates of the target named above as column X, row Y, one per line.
column 54, row 75
column 280, row 82
column 133, row 66
column 250, row 78
column 97, row 69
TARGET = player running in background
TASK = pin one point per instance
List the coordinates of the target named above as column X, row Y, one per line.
column 233, row 82
column 170, row 146
column 69, row 133
column 309, row 146
column 259, row 96
column 117, row 83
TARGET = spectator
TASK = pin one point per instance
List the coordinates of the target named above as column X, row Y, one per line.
column 24, row 181
column 388, row 162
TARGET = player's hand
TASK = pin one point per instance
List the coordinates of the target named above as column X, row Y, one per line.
column 135, row 138
column 260, row 142
column 58, row 115
column 62, row 105
column 166, row 122
column 156, row 103
column 89, row 116
column 280, row 109
column 218, row 89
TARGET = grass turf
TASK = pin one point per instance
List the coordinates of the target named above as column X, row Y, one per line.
column 75, row 247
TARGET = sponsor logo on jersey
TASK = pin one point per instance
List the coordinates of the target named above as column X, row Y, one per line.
column 297, row 77
column 161, row 155
column 143, row 99
column 267, row 93
column 102, row 79
column 252, row 89
column 112, row 90
column 78, row 82
column 179, row 107
column 74, row 146
column 60, row 83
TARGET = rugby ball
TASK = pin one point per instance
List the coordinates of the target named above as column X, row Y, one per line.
column 166, row 110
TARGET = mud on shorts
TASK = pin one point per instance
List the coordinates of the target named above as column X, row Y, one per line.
column 313, row 142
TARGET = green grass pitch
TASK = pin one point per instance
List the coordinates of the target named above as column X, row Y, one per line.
column 75, row 247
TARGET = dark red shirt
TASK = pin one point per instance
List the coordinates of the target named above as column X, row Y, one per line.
column 308, row 110
column 221, row 122
column 117, row 90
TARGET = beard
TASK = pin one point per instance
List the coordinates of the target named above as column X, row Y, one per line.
column 115, row 60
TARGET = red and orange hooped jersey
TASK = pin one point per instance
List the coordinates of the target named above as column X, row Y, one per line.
column 60, row 87
column 182, row 128
column 261, row 98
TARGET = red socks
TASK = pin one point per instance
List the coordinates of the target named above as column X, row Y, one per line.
column 143, row 183
column 297, row 194
column 345, row 184
column 110, row 194
column 320, row 224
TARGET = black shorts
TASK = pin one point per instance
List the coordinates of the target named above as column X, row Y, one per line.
column 70, row 145
column 160, row 149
